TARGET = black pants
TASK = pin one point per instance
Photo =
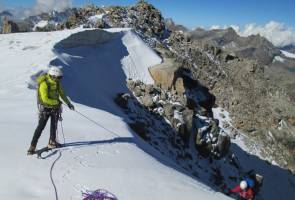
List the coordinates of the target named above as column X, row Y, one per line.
column 44, row 115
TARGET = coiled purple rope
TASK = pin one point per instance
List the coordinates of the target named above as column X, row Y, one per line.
column 99, row 195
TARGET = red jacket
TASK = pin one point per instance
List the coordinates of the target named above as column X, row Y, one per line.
column 246, row 194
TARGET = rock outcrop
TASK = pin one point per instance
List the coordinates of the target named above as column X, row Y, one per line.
column 171, row 26
column 9, row 26
column 241, row 87
column 142, row 16
column 165, row 75
column 81, row 17
column 167, row 103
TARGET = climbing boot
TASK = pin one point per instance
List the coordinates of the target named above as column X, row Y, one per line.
column 53, row 144
column 31, row 150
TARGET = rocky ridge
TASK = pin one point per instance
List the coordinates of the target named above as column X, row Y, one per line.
column 238, row 82
column 187, row 114
column 162, row 118
column 229, row 67
column 241, row 87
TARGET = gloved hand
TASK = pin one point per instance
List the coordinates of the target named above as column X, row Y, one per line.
column 71, row 106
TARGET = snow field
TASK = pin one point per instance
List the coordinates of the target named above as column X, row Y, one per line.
column 95, row 157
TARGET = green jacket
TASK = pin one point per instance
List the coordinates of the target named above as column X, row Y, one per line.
column 49, row 96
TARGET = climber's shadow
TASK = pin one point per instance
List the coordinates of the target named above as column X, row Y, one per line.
column 81, row 144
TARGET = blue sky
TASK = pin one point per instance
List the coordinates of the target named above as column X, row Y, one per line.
column 193, row 13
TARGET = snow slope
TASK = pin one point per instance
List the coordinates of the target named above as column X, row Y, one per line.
column 288, row 54
column 279, row 59
column 105, row 155
column 40, row 24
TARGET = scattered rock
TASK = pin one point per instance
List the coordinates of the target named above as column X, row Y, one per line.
column 230, row 57
column 122, row 100
column 169, row 110
column 203, row 111
column 149, row 89
column 143, row 16
column 137, row 91
column 130, row 84
column 147, row 101
column 163, row 96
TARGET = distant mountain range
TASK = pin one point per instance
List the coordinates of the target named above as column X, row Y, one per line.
column 253, row 47
column 6, row 13
column 289, row 48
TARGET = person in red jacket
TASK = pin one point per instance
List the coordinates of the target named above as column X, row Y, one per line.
column 245, row 192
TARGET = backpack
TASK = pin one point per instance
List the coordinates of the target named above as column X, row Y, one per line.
column 250, row 182
column 39, row 80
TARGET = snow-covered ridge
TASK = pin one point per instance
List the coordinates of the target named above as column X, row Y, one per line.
column 40, row 24
column 95, row 157
column 141, row 57
column 288, row 54
column 279, row 59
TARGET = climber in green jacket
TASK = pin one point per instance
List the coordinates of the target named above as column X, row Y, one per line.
column 48, row 92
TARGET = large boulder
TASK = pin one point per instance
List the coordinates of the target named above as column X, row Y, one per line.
column 147, row 101
column 167, row 77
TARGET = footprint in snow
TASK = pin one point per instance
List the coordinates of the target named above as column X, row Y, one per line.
column 30, row 48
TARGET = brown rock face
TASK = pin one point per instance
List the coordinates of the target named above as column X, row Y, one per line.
column 6, row 27
column 240, row 86
column 9, row 26
column 142, row 16
column 166, row 76
column 179, row 85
